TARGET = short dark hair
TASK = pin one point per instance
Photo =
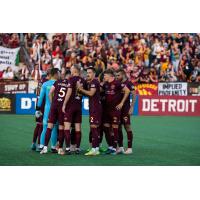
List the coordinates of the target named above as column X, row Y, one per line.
column 67, row 72
column 54, row 71
column 92, row 68
column 110, row 72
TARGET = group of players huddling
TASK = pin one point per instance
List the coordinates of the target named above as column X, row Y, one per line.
column 59, row 108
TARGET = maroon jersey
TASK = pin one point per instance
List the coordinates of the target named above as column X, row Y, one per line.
column 60, row 92
column 130, row 86
column 75, row 99
column 94, row 101
column 113, row 93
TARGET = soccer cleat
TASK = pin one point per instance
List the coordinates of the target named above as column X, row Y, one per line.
column 39, row 149
column 120, row 150
column 128, row 151
column 78, row 151
column 61, row 152
column 89, row 149
column 53, row 150
column 113, row 152
column 57, row 147
column 108, row 151
column 33, row 146
column 44, row 150
column 67, row 152
column 92, row 153
column 73, row 148
column 102, row 149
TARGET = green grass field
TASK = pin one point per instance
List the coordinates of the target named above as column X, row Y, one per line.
column 157, row 141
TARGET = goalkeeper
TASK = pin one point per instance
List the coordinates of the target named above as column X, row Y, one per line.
column 39, row 114
column 45, row 94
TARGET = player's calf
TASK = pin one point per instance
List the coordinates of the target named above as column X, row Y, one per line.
column 130, row 139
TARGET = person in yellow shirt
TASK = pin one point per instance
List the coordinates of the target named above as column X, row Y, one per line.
column 164, row 65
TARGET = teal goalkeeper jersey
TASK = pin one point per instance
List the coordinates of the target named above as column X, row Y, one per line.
column 44, row 93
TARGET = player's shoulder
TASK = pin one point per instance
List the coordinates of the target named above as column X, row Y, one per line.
column 63, row 82
column 82, row 79
column 129, row 84
column 57, row 82
column 94, row 83
column 45, row 83
column 117, row 82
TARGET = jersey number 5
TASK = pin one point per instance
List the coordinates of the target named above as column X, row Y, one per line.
column 62, row 92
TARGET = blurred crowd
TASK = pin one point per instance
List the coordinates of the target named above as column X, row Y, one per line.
column 146, row 58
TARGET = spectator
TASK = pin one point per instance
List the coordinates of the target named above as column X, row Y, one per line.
column 8, row 73
column 24, row 73
column 144, row 77
column 153, row 75
column 14, row 41
column 1, row 74
column 152, row 57
column 57, row 62
column 46, row 61
column 57, row 51
column 36, row 73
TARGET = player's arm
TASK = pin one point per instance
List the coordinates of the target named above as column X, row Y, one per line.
column 89, row 93
column 51, row 93
column 41, row 97
column 132, row 102
column 126, row 93
column 68, row 95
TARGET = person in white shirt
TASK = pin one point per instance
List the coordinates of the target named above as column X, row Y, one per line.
column 8, row 74
column 57, row 62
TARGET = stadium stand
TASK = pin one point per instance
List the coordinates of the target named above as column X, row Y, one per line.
column 146, row 58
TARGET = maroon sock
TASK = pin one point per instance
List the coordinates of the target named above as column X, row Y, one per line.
column 112, row 136
column 95, row 137
column 35, row 134
column 90, row 136
column 73, row 136
column 107, row 135
column 78, row 138
column 130, row 138
column 47, row 136
column 67, row 138
column 120, row 137
column 115, row 131
column 61, row 138
column 40, row 132
column 100, row 129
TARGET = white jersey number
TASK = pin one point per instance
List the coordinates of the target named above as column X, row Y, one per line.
column 62, row 92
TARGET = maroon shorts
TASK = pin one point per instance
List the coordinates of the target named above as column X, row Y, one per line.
column 112, row 116
column 55, row 115
column 73, row 115
column 39, row 119
column 125, row 117
column 95, row 118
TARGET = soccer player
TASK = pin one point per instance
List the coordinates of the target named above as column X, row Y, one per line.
column 56, row 96
column 55, row 74
column 95, row 109
column 116, row 94
column 126, row 112
column 72, row 108
column 39, row 115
